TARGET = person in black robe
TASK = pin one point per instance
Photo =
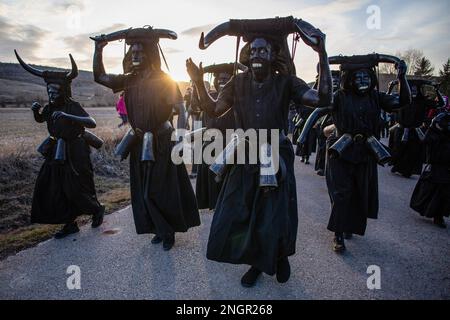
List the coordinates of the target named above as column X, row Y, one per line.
column 323, row 122
column 431, row 197
column 351, row 173
column 65, row 186
column 407, row 147
column 252, row 224
column 304, row 150
column 162, row 197
column 207, row 188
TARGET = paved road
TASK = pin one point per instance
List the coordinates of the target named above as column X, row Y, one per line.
column 115, row 263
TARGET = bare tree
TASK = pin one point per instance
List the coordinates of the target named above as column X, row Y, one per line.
column 410, row 56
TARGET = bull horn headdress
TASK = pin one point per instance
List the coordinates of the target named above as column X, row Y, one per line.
column 276, row 29
column 224, row 67
column 50, row 75
column 137, row 35
column 367, row 61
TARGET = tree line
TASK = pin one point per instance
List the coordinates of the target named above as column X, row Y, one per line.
column 421, row 66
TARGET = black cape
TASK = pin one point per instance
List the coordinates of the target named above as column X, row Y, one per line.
column 250, row 227
column 64, row 191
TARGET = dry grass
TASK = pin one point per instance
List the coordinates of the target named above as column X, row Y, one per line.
column 20, row 164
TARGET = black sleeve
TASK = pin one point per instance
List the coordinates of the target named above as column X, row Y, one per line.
column 117, row 82
column 77, row 110
column 298, row 89
column 388, row 102
column 225, row 99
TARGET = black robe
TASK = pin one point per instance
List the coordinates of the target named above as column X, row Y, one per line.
column 162, row 196
column 250, row 227
column 307, row 148
column 352, row 179
column 207, row 188
column 322, row 123
column 64, row 191
column 408, row 157
column 431, row 197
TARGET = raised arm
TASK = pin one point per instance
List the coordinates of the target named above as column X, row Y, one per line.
column 114, row 82
column 390, row 102
column 87, row 122
column 212, row 107
column 323, row 96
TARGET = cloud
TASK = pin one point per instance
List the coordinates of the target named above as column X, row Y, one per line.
column 82, row 44
column 66, row 4
column 196, row 31
column 25, row 38
column 170, row 50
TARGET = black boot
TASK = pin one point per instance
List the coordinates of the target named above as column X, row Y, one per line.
column 321, row 173
column 67, row 230
column 338, row 243
column 97, row 219
column 283, row 270
column 307, row 160
column 249, row 279
column 157, row 240
column 168, row 242
column 439, row 221
column 348, row 236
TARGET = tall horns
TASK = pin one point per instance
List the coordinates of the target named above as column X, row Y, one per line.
column 72, row 74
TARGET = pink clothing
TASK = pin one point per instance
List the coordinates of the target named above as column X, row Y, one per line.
column 121, row 107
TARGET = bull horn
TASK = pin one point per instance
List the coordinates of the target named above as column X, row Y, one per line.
column 215, row 34
column 166, row 34
column 27, row 67
column 74, row 72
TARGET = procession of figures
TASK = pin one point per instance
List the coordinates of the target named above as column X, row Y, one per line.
column 350, row 122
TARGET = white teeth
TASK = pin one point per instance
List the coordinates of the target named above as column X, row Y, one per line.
column 256, row 65
column 136, row 64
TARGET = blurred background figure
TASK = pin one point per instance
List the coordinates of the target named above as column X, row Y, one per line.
column 122, row 110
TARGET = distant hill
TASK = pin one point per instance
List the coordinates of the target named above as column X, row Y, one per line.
column 18, row 88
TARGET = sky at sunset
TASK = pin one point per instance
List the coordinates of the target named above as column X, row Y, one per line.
column 46, row 31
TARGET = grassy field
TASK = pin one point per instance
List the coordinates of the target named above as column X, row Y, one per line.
column 20, row 163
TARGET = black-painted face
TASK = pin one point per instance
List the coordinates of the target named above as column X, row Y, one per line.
column 55, row 93
column 362, row 81
column 138, row 57
column 221, row 80
column 261, row 57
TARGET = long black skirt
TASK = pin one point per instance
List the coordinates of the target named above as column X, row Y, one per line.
column 206, row 188
column 253, row 228
column 353, row 189
column 321, row 153
column 64, row 191
column 162, row 196
column 431, row 199
column 408, row 157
